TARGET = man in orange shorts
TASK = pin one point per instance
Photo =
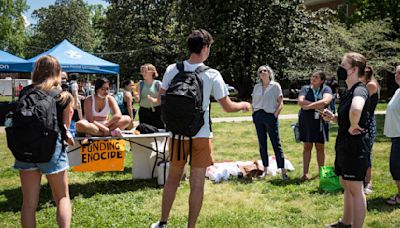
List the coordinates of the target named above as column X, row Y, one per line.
column 199, row 44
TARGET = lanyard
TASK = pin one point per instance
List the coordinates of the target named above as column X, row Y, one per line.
column 316, row 93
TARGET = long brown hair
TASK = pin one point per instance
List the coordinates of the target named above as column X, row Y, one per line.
column 47, row 73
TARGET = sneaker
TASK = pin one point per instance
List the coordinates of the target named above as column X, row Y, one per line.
column 338, row 224
column 368, row 190
column 157, row 225
column 285, row 177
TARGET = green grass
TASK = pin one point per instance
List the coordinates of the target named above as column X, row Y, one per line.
column 5, row 98
column 112, row 199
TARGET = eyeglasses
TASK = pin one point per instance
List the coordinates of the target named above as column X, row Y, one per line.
column 262, row 71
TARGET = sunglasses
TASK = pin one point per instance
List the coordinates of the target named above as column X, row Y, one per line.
column 262, row 71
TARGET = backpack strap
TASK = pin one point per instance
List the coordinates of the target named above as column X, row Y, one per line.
column 209, row 117
column 190, row 150
column 171, row 154
column 201, row 69
column 180, row 66
column 179, row 147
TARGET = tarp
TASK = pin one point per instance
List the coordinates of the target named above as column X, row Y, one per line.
column 12, row 63
column 73, row 59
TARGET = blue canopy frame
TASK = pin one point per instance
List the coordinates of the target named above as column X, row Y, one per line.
column 73, row 59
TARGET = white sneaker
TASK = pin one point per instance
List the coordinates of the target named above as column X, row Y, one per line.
column 368, row 191
column 157, row 225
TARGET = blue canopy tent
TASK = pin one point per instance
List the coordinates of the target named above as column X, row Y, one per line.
column 12, row 63
column 73, row 59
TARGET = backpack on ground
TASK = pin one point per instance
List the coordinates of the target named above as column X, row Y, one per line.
column 119, row 97
column 182, row 104
column 32, row 129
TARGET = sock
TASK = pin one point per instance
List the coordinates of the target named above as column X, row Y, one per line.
column 162, row 223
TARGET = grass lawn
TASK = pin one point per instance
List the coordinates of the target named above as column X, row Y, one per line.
column 112, row 199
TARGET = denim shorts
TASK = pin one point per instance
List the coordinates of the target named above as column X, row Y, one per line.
column 57, row 163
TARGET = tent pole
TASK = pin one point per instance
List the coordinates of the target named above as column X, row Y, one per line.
column 117, row 83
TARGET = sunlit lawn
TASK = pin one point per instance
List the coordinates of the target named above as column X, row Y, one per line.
column 112, row 199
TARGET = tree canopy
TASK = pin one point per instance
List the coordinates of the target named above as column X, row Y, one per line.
column 66, row 19
column 12, row 26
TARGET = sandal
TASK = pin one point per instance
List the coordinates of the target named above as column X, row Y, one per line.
column 395, row 200
column 304, row 178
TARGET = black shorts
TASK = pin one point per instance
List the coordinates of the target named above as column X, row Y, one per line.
column 352, row 157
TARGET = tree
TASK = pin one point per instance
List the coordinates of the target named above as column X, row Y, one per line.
column 249, row 34
column 97, row 18
column 366, row 10
column 12, row 26
column 141, row 31
column 66, row 19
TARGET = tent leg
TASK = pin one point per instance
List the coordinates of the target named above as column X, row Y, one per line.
column 117, row 83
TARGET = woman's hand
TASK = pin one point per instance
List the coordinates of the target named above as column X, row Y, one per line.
column 327, row 115
column 151, row 99
column 355, row 130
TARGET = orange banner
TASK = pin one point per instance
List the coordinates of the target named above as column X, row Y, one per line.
column 102, row 155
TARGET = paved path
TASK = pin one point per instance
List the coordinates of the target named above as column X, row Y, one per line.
column 241, row 118
column 249, row 118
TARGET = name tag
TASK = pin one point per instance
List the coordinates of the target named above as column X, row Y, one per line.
column 316, row 115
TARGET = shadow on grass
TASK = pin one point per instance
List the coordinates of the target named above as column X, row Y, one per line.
column 379, row 204
column 86, row 190
column 291, row 181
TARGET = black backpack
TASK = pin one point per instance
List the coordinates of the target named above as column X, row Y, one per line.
column 182, row 104
column 33, row 129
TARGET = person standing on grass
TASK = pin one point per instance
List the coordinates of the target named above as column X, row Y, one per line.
column 147, row 93
column 352, row 142
column 46, row 76
column 374, row 93
column 199, row 45
column 267, row 104
column 128, row 102
column 392, row 130
column 312, row 128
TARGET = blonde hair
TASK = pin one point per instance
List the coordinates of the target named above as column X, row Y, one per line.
column 150, row 67
column 47, row 73
column 357, row 60
column 65, row 98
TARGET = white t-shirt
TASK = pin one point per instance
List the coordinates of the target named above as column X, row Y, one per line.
column 213, row 85
column 392, row 118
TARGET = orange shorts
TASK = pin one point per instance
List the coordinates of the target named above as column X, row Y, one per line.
column 201, row 156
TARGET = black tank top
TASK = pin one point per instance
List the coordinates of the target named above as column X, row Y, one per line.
column 373, row 103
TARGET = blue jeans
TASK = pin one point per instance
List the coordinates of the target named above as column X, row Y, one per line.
column 57, row 163
column 268, row 123
column 395, row 158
